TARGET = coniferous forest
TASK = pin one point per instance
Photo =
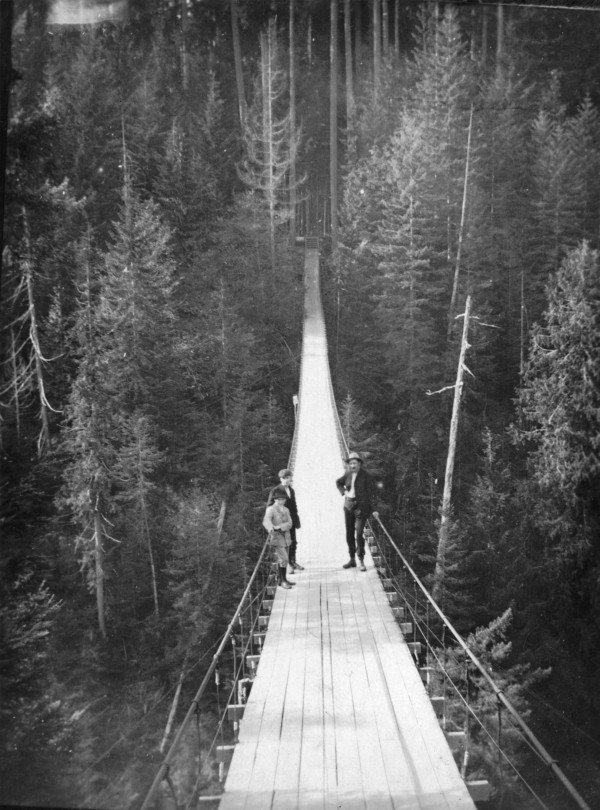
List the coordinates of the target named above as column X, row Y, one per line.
column 160, row 169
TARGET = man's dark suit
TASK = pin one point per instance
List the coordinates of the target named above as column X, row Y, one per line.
column 356, row 517
column 290, row 503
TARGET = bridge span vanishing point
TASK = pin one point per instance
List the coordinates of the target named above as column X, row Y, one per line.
column 338, row 716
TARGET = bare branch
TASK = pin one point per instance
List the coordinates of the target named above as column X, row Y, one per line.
column 447, row 388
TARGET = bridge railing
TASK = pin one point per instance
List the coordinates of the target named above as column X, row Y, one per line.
column 434, row 643
column 196, row 760
column 483, row 728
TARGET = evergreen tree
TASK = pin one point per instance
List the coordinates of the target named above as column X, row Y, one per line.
column 270, row 150
column 440, row 101
column 499, row 213
column 35, row 724
column 558, row 408
column 491, row 647
column 564, row 150
column 122, row 381
column 559, row 402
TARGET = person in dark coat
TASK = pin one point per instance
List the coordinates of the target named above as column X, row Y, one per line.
column 360, row 493
column 285, row 481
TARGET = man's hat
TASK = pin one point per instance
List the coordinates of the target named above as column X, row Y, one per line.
column 285, row 473
column 279, row 492
column 353, row 457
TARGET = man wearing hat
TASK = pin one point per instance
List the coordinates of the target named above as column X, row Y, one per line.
column 285, row 482
column 359, row 491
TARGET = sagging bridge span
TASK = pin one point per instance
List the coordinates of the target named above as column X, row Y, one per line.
column 349, row 707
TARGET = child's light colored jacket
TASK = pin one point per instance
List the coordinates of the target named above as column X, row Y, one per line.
column 278, row 522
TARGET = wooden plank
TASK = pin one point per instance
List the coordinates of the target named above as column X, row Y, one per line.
column 235, row 711
column 338, row 716
column 480, row 790
column 417, row 723
column 239, row 778
column 285, row 785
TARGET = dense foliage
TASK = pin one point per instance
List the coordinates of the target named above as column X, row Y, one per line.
column 151, row 311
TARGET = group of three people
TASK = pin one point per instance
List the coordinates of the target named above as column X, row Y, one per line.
column 282, row 519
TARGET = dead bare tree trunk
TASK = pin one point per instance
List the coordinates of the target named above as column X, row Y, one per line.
column 34, row 337
column 461, row 229
column 440, row 562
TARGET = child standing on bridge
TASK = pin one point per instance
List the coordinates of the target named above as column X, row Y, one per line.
column 285, row 482
column 278, row 522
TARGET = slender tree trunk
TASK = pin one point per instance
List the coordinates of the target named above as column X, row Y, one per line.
column 267, row 60
column 221, row 519
column 348, row 61
column 357, row 38
column 35, row 341
column 292, row 146
column 146, row 527
column 484, row 34
column 412, row 329
column 241, row 453
column 16, row 384
column 99, row 570
column 185, row 59
column 499, row 37
column 376, row 46
column 397, row 28
column 223, row 342
column 6, row 26
column 385, row 29
column 338, row 303
column 237, row 59
column 174, row 704
column 333, row 124
column 522, row 329
column 309, row 41
column 461, row 229
column 440, row 562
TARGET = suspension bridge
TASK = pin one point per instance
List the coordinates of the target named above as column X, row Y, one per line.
column 330, row 705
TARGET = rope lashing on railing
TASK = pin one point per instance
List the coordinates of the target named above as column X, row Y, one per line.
column 501, row 697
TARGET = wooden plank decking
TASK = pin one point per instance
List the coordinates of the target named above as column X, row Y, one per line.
column 337, row 716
